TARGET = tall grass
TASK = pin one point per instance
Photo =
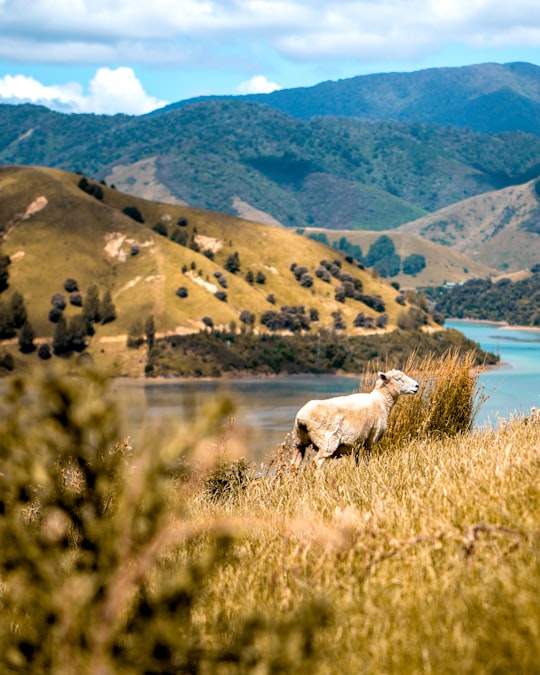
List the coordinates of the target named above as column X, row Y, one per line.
column 120, row 559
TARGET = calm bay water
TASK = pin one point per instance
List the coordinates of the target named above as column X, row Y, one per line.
column 265, row 407
column 513, row 387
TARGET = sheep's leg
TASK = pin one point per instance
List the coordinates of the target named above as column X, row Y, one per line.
column 298, row 456
column 368, row 444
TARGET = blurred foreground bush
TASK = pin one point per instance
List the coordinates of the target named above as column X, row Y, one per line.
column 100, row 572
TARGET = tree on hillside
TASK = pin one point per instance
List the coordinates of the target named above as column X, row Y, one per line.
column 5, row 262
column 61, row 343
column 26, row 338
column 232, row 264
column 383, row 257
column 6, row 321
column 413, row 264
column 18, row 309
column 133, row 212
column 77, row 332
column 107, row 310
column 150, row 331
column 91, row 305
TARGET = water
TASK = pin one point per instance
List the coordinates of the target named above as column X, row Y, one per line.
column 265, row 407
column 513, row 387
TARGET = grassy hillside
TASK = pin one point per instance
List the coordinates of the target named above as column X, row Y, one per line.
column 500, row 229
column 328, row 172
column 173, row 555
column 443, row 263
column 53, row 231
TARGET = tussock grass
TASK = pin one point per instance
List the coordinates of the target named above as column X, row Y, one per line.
column 424, row 560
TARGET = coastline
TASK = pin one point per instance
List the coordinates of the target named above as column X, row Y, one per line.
column 500, row 325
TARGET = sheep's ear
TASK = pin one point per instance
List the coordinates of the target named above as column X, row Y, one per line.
column 382, row 375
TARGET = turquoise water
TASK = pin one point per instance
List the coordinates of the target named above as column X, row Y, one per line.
column 513, row 387
column 266, row 407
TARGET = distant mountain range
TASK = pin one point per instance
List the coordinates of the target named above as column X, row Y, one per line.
column 368, row 153
column 488, row 98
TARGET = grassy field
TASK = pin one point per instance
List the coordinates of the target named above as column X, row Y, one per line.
column 178, row 556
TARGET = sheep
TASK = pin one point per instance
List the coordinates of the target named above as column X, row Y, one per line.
column 343, row 424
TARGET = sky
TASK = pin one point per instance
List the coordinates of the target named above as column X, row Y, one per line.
column 134, row 56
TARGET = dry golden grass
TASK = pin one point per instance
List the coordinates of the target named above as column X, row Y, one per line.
column 424, row 560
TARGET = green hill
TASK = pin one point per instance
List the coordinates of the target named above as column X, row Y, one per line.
column 487, row 97
column 54, row 231
column 226, row 156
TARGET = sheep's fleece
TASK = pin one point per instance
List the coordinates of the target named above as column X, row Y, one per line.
column 344, row 424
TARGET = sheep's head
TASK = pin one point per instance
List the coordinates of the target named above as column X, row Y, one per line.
column 402, row 383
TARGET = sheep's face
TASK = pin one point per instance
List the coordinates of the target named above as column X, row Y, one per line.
column 405, row 384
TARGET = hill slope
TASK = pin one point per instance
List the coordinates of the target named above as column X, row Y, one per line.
column 500, row 229
column 488, row 97
column 325, row 172
column 53, row 230
column 443, row 264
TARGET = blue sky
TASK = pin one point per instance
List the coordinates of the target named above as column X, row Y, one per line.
column 133, row 56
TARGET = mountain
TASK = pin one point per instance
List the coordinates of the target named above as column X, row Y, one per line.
column 488, row 98
column 500, row 228
column 237, row 157
column 186, row 268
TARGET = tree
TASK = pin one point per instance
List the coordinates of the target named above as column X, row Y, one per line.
column 5, row 262
column 61, row 343
column 107, row 310
column 135, row 334
column 70, row 285
column 6, row 321
column 413, row 264
column 26, row 338
column 91, row 305
column 232, row 264
column 77, row 332
column 133, row 212
column 383, row 257
column 150, row 331
column 18, row 310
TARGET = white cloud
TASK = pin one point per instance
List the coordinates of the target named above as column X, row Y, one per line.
column 110, row 91
column 257, row 85
column 176, row 31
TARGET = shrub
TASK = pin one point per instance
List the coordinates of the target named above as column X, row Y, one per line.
column 182, row 221
column 182, row 292
column 306, row 280
column 232, row 264
column 260, row 277
column 58, row 300
column 271, row 298
column 161, row 229
column 76, row 299
column 135, row 250
column 44, row 352
column 55, row 314
column 134, row 213
column 221, row 295
column 323, row 274
column 247, row 317
column 208, row 321
column 70, row 285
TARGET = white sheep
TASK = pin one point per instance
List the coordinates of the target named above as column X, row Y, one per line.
column 343, row 424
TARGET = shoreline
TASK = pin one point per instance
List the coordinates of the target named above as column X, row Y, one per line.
column 501, row 325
